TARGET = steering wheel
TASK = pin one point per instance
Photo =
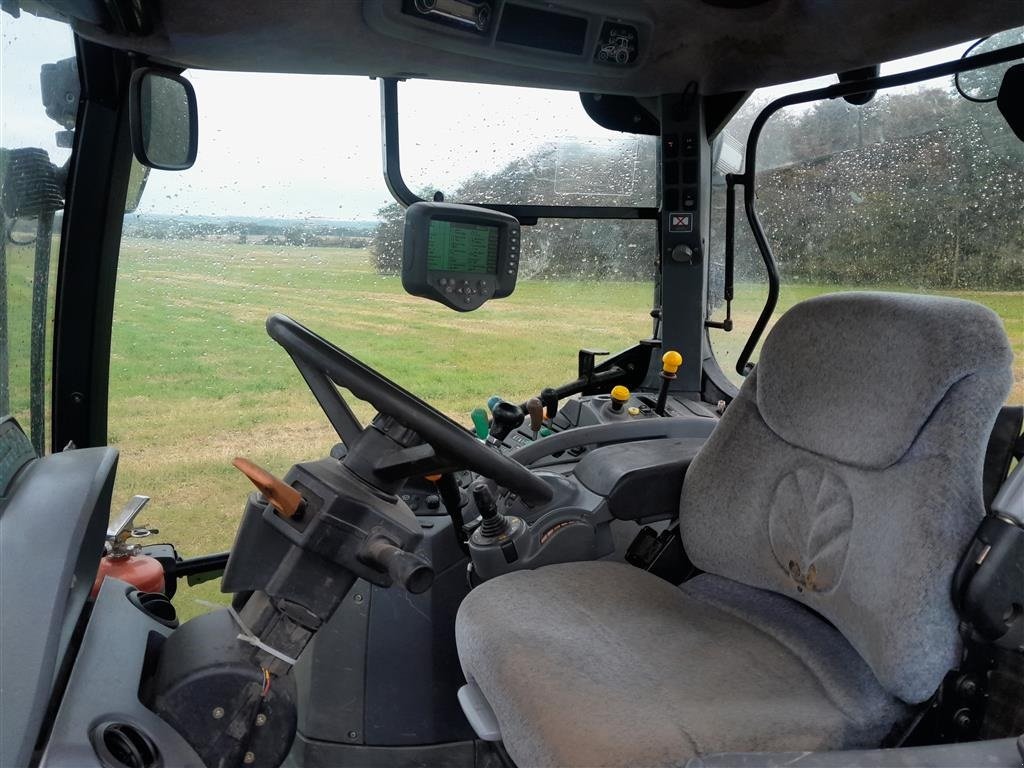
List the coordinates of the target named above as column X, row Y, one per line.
column 324, row 365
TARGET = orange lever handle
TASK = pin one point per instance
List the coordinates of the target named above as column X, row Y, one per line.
column 285, row 499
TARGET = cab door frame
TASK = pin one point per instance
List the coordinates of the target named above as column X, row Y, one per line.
column 90, row 239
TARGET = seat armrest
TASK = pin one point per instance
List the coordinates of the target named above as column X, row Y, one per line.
column 640, row 481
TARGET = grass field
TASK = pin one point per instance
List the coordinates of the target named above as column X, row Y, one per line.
column 195, row 380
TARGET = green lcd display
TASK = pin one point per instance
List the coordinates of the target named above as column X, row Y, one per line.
column 453, row 246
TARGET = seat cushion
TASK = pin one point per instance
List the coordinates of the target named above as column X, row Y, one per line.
column 602, row 664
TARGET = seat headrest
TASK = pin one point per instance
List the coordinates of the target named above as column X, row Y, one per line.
column 900, row 355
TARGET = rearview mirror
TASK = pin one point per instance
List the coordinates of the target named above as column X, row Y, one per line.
column 164, row 119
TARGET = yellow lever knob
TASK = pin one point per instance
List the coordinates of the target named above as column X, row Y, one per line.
column 620, row 394
column 671, row 361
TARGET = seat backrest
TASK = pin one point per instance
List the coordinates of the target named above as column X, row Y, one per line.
column 847, row 473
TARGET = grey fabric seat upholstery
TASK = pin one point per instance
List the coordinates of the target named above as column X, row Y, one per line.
column 602, row 664
column 829, row 509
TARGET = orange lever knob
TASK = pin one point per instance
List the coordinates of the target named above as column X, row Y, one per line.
column 285, row 499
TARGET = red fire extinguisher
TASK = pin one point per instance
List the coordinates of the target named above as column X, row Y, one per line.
column 122, row 559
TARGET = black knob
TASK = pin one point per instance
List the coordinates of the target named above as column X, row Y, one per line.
column 505, row 417
column 485, row 503
column 549, row 399
column 433, row 501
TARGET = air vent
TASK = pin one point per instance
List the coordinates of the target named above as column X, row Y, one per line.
column 157, row 606
column 123, row 745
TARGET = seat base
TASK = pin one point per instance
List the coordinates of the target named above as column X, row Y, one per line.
column 602, row 664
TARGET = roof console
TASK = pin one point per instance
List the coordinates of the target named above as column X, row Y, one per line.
column 524, row 32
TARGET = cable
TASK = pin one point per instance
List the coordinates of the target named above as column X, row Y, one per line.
column 956, row 76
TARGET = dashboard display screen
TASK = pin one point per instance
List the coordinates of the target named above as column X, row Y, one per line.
column 453, row 246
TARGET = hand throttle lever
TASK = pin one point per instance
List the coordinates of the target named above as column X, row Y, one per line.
column 405, row 568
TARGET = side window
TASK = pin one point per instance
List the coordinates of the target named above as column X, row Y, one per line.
column 38, row 106
column 917, row 191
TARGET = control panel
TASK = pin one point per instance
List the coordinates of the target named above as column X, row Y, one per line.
column 459, row 255
column 621, row 406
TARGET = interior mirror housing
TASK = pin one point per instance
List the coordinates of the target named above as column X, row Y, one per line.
column 164, row 119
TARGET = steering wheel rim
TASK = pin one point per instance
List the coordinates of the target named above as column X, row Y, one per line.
column 324, row 365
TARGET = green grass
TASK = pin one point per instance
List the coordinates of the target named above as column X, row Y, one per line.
column 195, row 380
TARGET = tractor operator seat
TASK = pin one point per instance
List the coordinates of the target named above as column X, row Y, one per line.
column 828, row 512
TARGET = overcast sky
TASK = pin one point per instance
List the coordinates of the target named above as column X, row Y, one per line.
column 297, row 146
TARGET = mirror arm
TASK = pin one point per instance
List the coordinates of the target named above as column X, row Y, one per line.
column 390, row 144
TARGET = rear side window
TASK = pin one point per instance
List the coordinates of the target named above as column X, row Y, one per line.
column 919, row 190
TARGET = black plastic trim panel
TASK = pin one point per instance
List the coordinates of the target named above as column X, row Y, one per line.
column 104, row 686
column 52, row 526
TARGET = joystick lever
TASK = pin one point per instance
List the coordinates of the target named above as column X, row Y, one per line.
column 492, row 523
column 670, row 363
column 506, row 417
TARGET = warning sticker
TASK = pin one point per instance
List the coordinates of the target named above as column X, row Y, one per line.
column 680, row 222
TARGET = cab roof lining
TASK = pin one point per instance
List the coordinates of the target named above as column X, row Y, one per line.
column 721, row 48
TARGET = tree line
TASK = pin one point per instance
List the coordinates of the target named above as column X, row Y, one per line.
column 295, row 232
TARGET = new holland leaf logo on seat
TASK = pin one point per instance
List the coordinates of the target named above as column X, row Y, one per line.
column 809, row 527
column 680, row 222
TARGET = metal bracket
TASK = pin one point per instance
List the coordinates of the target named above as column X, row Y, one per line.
column 587, row 361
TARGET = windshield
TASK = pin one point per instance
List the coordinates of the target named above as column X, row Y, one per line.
column 498, row 144
column 286, row 211
column 919, row 190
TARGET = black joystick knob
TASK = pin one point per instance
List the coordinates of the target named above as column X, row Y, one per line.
column 505, row 417
column 549, row 399
column 492, row 522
